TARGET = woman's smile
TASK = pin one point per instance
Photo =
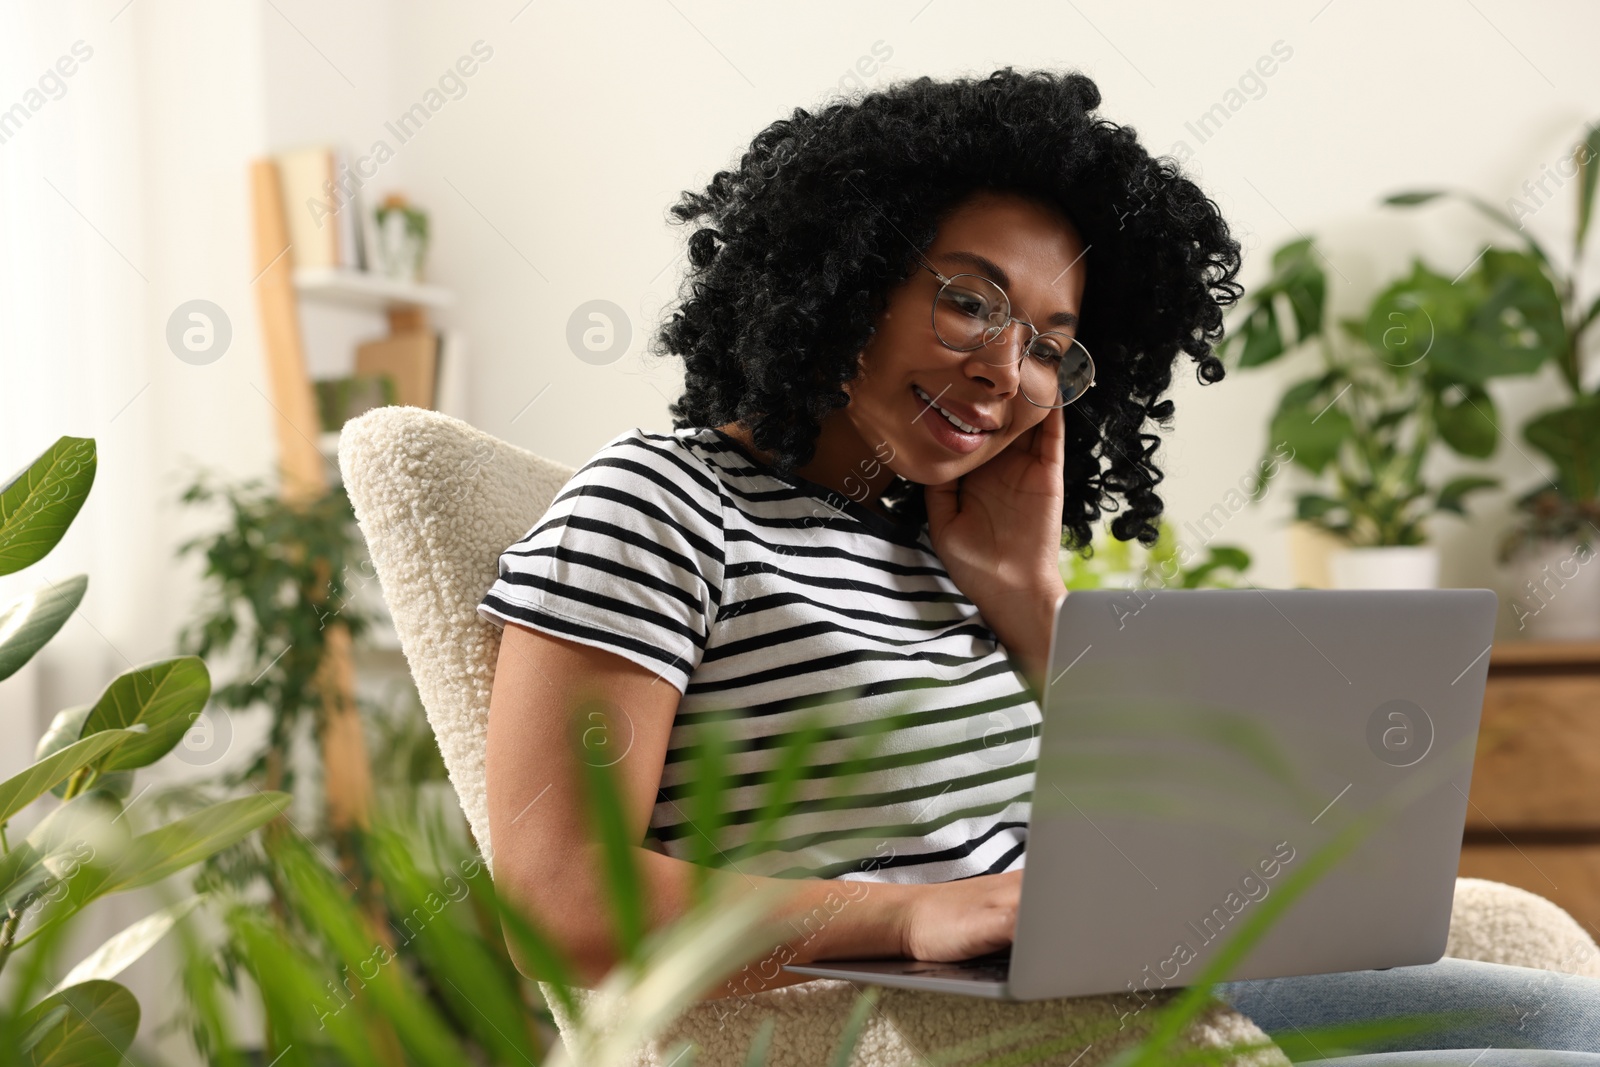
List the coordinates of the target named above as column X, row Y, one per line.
column 945, row 427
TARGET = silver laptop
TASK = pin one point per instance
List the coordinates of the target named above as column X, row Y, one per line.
column 1198, row 749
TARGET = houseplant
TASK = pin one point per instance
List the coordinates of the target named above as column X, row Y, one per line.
column 1546, row 304
column 1110, row 563
column 1386, row 390
column 82, row 849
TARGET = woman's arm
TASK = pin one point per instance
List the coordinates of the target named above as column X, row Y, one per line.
column 547, row 862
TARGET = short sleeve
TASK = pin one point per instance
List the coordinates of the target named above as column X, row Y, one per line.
column 628, row 558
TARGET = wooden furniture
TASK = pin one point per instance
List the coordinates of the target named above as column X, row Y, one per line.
column 305, row 466
column 1534, row 816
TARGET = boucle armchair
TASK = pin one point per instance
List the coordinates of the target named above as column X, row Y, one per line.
column 438, row 500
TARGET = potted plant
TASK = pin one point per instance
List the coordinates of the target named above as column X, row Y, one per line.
column 1543, row 305
column 1108, row 563
column 1387, row 389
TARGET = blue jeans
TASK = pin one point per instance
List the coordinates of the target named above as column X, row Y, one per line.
column 1515, row 1016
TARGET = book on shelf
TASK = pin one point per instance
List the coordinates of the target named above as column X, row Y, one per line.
column 325, row 225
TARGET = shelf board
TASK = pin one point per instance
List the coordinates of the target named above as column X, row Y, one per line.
column 360, row 289
column 1536, row 654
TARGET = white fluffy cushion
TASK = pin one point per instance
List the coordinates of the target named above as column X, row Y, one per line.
column 438, row 501
column 1499, row 923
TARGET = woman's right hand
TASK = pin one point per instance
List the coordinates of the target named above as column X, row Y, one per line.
column 949, row 921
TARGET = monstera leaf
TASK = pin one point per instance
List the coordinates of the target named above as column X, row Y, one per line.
column 1570, row 436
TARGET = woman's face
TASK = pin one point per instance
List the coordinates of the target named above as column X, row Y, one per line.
column 1036, row 256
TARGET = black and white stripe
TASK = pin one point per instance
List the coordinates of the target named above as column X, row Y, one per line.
column 771, row 603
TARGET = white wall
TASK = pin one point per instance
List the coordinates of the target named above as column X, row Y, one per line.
column 550, row 180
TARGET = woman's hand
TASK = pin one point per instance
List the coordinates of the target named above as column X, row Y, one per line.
column 948, row 921
column 998, row 532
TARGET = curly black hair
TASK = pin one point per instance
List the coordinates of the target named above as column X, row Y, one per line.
column 796, row 250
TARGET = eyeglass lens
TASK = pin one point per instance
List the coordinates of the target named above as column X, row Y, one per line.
column 970, row 312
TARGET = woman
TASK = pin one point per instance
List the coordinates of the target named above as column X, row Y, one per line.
column 925, row 336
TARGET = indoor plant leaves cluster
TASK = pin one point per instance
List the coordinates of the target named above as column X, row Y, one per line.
column 1535, row 310
column 1391, row 386
column 82, row 848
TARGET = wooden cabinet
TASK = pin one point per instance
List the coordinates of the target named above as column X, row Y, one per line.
column 1534, row 817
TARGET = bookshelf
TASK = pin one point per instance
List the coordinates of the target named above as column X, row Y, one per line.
column 358, row 289
column 307, row 457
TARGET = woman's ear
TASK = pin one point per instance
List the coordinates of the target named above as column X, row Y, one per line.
column 861, row 369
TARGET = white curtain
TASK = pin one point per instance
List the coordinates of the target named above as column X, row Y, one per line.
column 73, row 290
column 123, row 193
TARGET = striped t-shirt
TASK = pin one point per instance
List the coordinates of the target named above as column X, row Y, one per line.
column 766, row 599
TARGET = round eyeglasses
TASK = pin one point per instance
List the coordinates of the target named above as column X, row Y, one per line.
column 970, row 312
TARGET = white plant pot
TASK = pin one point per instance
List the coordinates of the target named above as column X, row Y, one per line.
column 1387, row 567
column 1555, row 594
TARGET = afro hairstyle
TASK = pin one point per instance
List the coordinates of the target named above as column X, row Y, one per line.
column 794, row 253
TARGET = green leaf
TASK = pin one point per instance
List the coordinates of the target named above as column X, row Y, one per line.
column 1411, row 199
column 150, row 857
column 31, row 620
column 324, row 904
column 99, row 1024
column 708, row 792
column 1231, row 557
column 1570, row 436
column 1502, row 317
column 866, row 1001
column 438, row 930
column 761, row 1043
column 1263, row 340
column 1520, row 323
column 1393, row 417
column 1303, row 394
column 28, row 785
column 293, row 984
column 1315, row 437
column 1306, row 286
column 1407, row 319
column 692, row 956
column 40, row 502
column 22, row 873
column 609, row 825
column 122, row 949
column 1587, row 156
column 1298, row 281
column 536, row 951
column 63, row 730
column 186, row 841
column 77, row 841
column 1477, row 204
column 1590, row 315
column 1223, row 557
column 1311, row 507
column 1451, row 497
column 164, row 696
column 1494, row 214
column 1470, row 425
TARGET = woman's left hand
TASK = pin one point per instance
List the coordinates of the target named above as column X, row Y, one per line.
column 998, row 532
